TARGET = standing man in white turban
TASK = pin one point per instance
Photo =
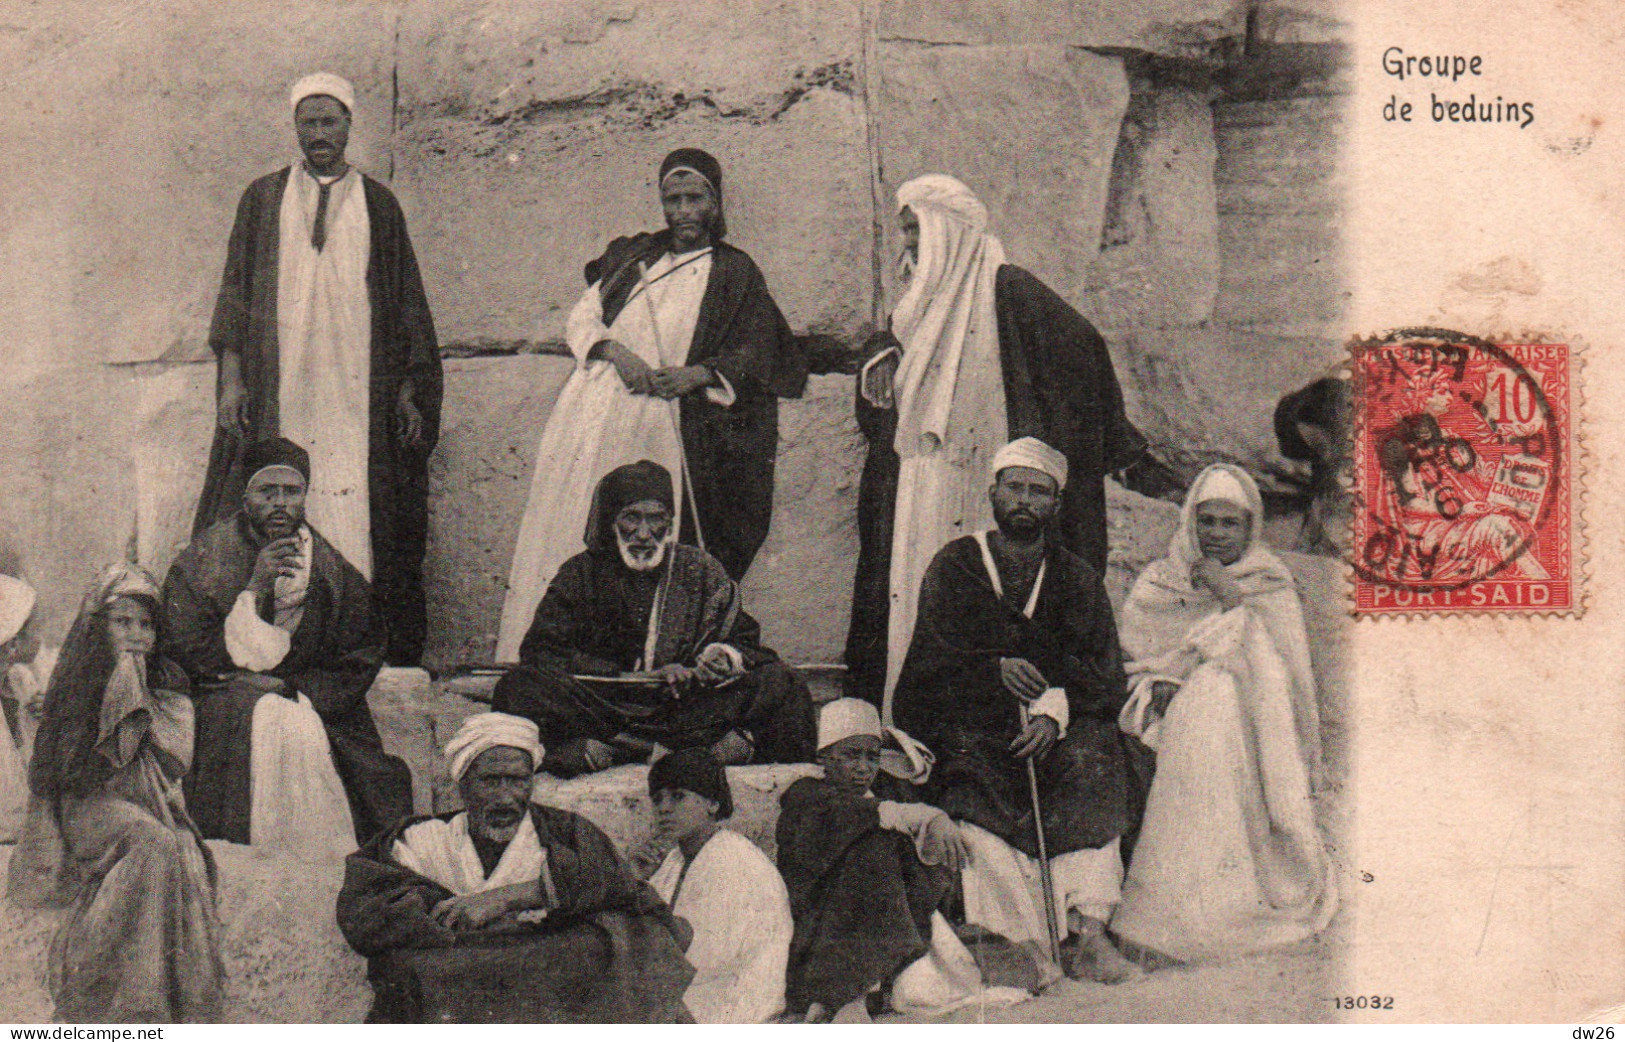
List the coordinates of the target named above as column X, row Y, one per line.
column 979, row 352
column 1015, row 660
column 508, row 911
column 323, row 336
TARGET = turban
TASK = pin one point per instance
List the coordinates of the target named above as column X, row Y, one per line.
column 1032, row 453
column 489, row 731
column 1221, row 484
column 621, row 487
column 323, row 83
column 697, row 771
column 698, row 161
column 946, row 195
column 846, row 717
column 16, row 605
column 276, row 452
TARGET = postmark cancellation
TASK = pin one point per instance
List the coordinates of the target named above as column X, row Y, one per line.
column 1463, row 492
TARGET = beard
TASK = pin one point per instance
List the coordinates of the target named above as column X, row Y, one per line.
column 641, row 559
column 1022, row 527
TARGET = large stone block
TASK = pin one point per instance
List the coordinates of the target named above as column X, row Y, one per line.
column 1159, row 257
column 1182, row 28
column 1209, row 393
column 531, row 135
column 1031, row 130
column 128, row 147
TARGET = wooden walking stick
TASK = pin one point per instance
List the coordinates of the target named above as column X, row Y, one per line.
column 1044, row 875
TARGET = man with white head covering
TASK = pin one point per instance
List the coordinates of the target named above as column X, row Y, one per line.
column 323, row 335
column 681, row 358
column 1229, row 859
column 1014, row 661
column 508, row 911
column 279, row 636
column 979, row 352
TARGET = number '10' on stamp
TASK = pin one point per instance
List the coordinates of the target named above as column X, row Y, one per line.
column 1463, row 475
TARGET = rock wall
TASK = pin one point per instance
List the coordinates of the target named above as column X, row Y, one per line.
column 1169, row 166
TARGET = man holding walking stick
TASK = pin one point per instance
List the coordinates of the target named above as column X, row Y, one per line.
column 1015, row 679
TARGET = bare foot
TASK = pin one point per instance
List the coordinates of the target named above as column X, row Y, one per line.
column 854, row 1012
column 1048, row 972
column 817, row 1014
column 1090, row 955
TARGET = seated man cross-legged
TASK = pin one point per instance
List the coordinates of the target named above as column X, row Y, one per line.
column 508, row 911
column 641, row 644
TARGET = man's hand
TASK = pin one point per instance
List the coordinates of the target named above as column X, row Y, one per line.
column 472, row 911
column 677, row 381
column 1037, row 739
column 263, row 683
column 231, row 411
column 674, row 674
column 1022, row 678
column 942, row 844
column 408, row 420
column 600, row 756
column 633, row 371
column 278, row 558
column 714, row 665
column 1210, row 573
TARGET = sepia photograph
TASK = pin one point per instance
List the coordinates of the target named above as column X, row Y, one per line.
column 810, row 511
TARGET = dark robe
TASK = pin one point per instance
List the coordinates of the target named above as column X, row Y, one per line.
column 333, row 659
column 594, row 620
column 606, row 954
column 1059, row 387
column 731, row 449
column 950, row 697
column 403, row 348
column 860, row 896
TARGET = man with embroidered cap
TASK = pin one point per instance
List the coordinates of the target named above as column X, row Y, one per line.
column 979, row 352
column 323, row 335
column 866, row 876
column 278, row 634
column 1015, row 659
column 508, row 911
column 681, row 358
column 643, row 643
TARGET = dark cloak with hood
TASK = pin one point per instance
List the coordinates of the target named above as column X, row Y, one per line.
column 1059, row 387
column 950, row 696
column 403, row 348
column 742, row 335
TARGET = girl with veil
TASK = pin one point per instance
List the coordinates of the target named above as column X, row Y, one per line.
column 1229, row 859
column 107, row 829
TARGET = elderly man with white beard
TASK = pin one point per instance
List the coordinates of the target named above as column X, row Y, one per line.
column 641, row 644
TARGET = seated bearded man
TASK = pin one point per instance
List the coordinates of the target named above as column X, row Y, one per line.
column 641, row 645
column 278, row 634
column 508, row 911
column 1015, row 660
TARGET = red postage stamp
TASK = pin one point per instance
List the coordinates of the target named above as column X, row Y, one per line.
column 1463, row 473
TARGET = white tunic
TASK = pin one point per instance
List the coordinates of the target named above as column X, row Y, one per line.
column 736, row 902
column 598, row 425
column 324, row 354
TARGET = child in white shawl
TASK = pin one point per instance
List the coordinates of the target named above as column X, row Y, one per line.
column 1229, row 860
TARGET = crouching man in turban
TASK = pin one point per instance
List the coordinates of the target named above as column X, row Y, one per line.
column 643, row 642
column 508, row 911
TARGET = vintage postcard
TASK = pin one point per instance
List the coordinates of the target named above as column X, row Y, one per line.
column 736, row 511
